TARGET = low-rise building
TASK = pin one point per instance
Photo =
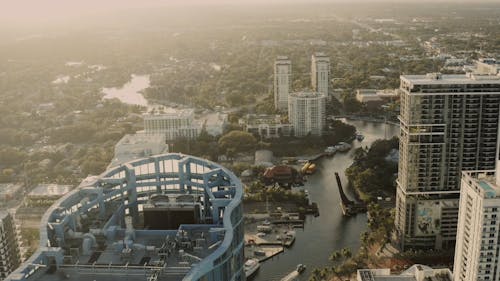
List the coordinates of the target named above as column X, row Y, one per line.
column 137, row 146
column 416, row 272
column 46, row 194
column 265, row 126
column 8, row 191
column 172, row 123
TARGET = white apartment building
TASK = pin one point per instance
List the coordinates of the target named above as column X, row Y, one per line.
column 10, row 257
column 320, row 72
column 173, row 124
column 476, row 252
column 306, row 113
column 282, row 82
column 449, row 124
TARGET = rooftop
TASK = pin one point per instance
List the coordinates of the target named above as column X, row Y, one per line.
column 50, row 190
column 449, row 79
column 305, row 94
column 9, row 188
column 416, row 272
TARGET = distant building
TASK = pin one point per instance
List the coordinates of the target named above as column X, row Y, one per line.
column 46, row 194
column 320, row 72
column 282, row 82
column 306, row 113
column 488, row 66
column 174, row 124
column 10, row 256
column 214, row 123
column 449, row 124
column 138, row 145
column 265, row 126
column 9, row 191
column 476, row 251
column 376, row 98
column 416, row 272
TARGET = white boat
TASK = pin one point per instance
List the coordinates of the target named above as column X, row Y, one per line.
column 360, row 137
column 330, row 150
column 300, row 268
column 343, row 147
column 251, row 267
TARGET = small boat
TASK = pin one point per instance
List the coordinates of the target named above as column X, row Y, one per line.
column 300, row 268
column 330, row 150
column 343, row 147
column 308, row 169
column 360, row 137
column 251, row 267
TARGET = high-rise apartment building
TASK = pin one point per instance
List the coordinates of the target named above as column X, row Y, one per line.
column 320, row 70
column 449, row 124
column 476, row 252
column 10, row 257
column 282, row 82
column 306, row 113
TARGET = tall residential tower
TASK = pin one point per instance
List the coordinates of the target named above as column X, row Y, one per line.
column 282, row 82
column 320, row 70
column 449, row 124
column 10, row 257
column 476, row 251
column 306, row 113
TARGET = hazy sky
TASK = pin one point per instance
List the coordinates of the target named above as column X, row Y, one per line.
column 25, row 11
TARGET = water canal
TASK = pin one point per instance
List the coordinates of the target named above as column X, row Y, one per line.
column 330, row 231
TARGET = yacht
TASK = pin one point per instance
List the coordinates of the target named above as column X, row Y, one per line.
column 251, row 267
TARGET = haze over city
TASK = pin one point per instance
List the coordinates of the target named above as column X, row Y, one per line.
column 256, row 140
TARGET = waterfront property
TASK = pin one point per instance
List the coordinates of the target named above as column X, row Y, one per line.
column 449, row 124
column 416, row 272
column 165, row 217
column 306, row 113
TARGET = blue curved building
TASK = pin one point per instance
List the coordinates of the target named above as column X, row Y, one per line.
column 167, row 217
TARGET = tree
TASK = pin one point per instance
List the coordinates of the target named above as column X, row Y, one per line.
column 237, row 141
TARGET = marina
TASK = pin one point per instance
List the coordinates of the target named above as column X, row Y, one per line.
column 331, row 230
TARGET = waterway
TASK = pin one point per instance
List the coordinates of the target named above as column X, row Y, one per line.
column 130, row 93
column 330, row 231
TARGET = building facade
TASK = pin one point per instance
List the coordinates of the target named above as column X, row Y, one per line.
column 449, row 123
column 306, row 113
column 282, row 82
column 265, row 126
column 10, row 256
column 476, row 251
column 174, row 124
column 165, row 217
column 320, row 73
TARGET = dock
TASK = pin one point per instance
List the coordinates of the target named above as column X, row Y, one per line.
column 263, row 253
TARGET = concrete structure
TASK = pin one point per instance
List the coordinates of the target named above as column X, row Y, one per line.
column 265, row 126
column 9, row 191
column 10, row 257
column 416, row 272
column 46, row 194
column 116, row 226
column 214, row 123
column 306, row 113
column 449, row 123
column 137, row 146
column 376, row 96
column 320, row 73
column 488, row 66
column 282, row 82
column 476, row 251
column 173, row 124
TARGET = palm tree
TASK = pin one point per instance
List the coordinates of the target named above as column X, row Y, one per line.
column 335, row 256
column 346, row 252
